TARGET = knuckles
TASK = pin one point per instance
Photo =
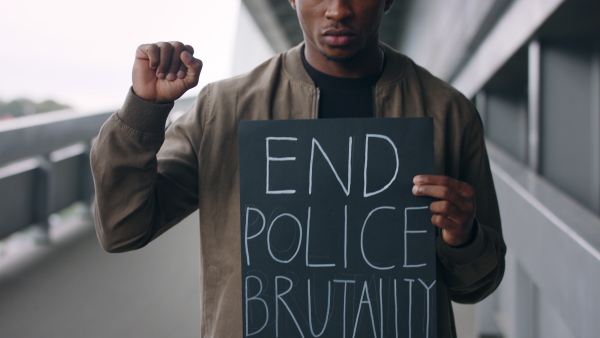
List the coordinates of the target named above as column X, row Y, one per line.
column 435, row 220
column 444, row 207
column 469, row 191
column 190, row 49
column 446, row 181
column 163, row 44
column 177, row 45
column 163, row 48
column 445, row 193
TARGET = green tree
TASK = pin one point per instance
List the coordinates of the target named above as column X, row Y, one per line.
column 23, row 107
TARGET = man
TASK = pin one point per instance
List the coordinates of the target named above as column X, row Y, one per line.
column 146, row 182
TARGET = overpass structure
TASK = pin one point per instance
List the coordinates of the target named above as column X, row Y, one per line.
column 532, row 67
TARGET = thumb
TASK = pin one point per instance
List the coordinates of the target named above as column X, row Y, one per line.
column 193, row 65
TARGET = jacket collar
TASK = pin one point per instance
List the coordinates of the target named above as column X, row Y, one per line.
column 292, row 64
column 393, row 71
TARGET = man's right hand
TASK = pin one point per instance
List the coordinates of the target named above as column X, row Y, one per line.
column 164, row 71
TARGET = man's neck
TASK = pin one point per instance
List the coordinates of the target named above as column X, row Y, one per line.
column 367, row 63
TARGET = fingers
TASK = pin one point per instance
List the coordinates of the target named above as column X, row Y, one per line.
column 439, row 180
column 176, row 69
column 187, row 53
column 454, row 209
column 462, row 198
column 448, row 215
column 166, row 53
column 150, row 53
column 166, row 59
column 192, row 69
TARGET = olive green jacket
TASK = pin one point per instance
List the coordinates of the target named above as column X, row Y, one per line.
column 146, row 181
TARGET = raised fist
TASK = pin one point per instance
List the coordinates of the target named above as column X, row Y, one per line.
column 164, row 71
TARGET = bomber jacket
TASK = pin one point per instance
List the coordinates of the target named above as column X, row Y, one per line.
column 147, row 180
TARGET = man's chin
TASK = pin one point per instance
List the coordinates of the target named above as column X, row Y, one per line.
column 340, row 58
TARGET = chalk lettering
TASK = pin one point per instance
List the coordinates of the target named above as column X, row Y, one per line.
column 374, row 278
column 381, row 315
column 383, row 137
column 362, row 240
column 345, row 236
column 277, row 159
column 269, row 238
column 310, row 319
column 410, row 281
column 428, row 304
column 255, row 298
column 345, row 282
column 278, row 299
column 406, row 232
column 396, row 306
column 346, row 188
column 365, row 299
column 246, row 238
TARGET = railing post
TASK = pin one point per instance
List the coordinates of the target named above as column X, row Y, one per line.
column 534, row 79
column 86, row 185
column 41, row 201
column 36, row 141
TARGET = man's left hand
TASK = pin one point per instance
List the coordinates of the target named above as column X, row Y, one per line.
column 454, row 210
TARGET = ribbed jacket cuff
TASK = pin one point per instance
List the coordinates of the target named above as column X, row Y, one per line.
column 464, row 254
column 144, row 116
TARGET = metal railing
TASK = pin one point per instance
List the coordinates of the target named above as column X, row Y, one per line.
column 550, row 288
column 44, row 166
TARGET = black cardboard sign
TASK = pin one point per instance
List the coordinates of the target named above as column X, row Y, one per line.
column 334, row 243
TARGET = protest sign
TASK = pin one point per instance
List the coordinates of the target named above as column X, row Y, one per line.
column 334, row 243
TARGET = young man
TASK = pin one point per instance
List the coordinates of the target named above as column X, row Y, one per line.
column 147, row 182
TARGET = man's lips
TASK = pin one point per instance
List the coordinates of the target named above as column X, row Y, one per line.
column 338, row 37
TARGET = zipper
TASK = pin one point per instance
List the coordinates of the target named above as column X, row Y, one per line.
column 374, row 102
column 316, row 116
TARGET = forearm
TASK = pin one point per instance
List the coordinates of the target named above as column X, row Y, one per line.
column 473, row 271
column 133, row 203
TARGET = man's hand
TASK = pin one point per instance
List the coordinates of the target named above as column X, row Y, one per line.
column 454, row 211
column 164, row 71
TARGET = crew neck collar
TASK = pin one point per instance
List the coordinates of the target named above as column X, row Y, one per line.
column 323, row 80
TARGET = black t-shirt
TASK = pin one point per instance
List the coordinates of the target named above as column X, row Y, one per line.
column 343, row 97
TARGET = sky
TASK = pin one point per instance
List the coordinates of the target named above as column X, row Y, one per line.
column 80, row 53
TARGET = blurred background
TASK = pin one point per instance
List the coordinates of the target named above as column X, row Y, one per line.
column 532, row 67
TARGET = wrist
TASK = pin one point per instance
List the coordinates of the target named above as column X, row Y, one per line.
column 143, row 115
column 468, row 239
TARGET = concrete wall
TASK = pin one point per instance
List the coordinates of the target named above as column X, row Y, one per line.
column 251, row 47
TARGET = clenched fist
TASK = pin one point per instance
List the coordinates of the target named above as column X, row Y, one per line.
column 164, row 71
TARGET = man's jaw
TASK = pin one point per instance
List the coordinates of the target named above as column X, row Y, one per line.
column 336, row 59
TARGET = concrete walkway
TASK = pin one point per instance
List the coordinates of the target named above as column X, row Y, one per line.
column 75, row 289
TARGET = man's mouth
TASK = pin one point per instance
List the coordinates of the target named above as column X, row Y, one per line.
column 338, row 37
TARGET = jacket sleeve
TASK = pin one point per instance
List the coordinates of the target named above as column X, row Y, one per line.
column 145, row 182
column 474, row 271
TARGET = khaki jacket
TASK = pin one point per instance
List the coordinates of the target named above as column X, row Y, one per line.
column 147, row 182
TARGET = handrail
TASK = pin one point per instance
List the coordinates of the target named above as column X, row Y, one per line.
column 553, row 261
column 44, row 133
column 44, row 166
